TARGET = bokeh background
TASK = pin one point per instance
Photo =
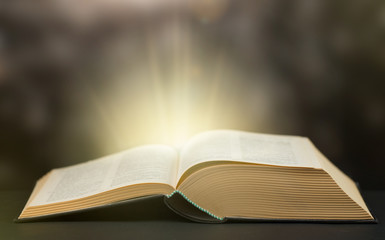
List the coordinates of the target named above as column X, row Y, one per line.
column 82, row 79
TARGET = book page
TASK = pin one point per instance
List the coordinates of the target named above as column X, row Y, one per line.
column 247, row 147
column 146, row 164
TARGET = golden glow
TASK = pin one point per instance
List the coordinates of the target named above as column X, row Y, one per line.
column 175, row 84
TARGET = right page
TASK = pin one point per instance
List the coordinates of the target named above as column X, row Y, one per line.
column 231, row 145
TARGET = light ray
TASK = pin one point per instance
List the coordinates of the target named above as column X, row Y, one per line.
column 214, row 88
column 157, row 89
column 104, row 115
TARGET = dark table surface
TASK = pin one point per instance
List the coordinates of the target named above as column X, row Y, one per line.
column 151, row 219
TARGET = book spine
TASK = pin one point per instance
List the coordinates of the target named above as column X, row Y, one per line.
column 182, row 205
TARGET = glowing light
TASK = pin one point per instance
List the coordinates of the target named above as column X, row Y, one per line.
column 177, row 85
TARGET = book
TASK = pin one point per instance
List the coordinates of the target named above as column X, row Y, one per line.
column 216, row 176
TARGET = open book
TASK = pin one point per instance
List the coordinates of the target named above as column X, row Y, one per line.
column 217, row 175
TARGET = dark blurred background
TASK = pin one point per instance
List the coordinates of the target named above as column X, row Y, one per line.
column 82, row 79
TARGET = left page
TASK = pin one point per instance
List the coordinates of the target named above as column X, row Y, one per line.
column 146, row 164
